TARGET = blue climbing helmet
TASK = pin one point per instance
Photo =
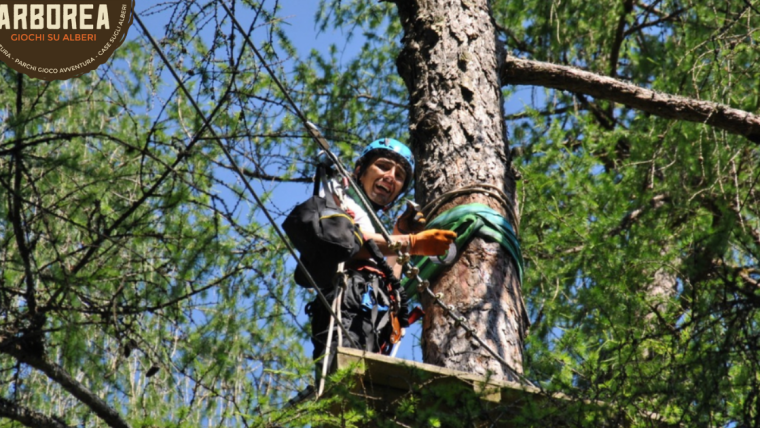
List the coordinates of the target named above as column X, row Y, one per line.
column 393, row 148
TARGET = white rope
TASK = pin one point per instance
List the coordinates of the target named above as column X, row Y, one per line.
column 328, row 344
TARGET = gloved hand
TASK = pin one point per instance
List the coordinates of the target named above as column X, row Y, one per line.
column 433, row 242
column 411, row 221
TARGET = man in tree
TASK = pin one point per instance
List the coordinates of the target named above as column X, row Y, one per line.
column 383, row 171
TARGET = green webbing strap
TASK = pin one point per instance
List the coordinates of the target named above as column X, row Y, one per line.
column 468, row 221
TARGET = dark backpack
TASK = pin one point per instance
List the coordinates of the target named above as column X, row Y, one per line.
column 324, row 235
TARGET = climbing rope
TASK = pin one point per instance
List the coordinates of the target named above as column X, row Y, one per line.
column 494, row 192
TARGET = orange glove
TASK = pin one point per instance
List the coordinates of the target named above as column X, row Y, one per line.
column 433, row 242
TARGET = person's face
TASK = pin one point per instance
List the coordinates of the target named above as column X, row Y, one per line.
column 383, row 180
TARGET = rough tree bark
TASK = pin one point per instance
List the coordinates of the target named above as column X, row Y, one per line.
column 450, row 62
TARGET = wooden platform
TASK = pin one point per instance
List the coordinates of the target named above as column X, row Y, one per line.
column 383, row 385
column 452, row 398
column 389, row 377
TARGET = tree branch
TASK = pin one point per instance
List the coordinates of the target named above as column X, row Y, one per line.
column 518, row 71
column 526, row 115
column 364, row 95
column 57, row 374
column 631, row 217
column 641, row 26
column 520, row 44
column 28, row 417
column 605, row 118
column 619, row 36
column 15, row 213
column 277, row 178
column 650, row 7
column 743, row 274
column 754, row 233
column 181, row 156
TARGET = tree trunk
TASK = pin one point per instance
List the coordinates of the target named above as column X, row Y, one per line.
column 450, row 62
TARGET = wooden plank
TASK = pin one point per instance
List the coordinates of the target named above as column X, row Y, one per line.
column 383, row 380
column 384, row 371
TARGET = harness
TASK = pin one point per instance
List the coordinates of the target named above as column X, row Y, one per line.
column 375, row 307
column 368, row 308
column 382, row 301
column 366, row 299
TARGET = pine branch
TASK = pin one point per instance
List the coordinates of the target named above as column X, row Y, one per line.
column 526, row 115
column 50, row 137
column 619, row 37
column 15, row 213
column 57, row 374
column 28, row 417
column 631, row 217
column 518, row 71
column 181, row 157
column 520, row 44
column 267, row 177
column 743, row 274
column 644, row 25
